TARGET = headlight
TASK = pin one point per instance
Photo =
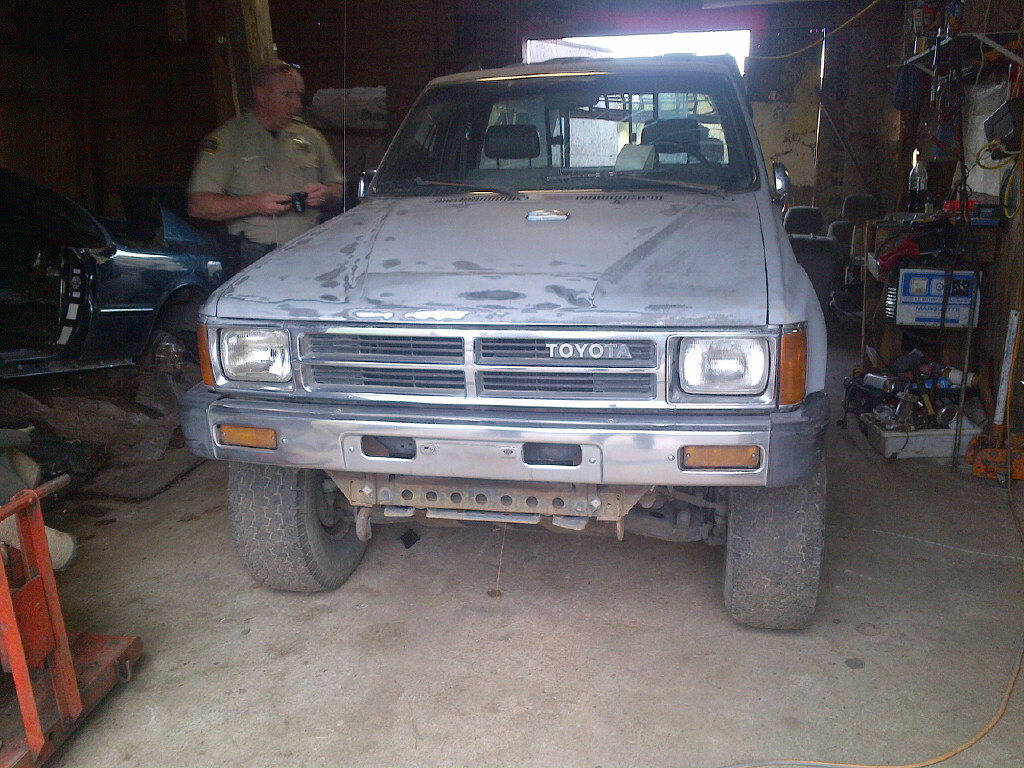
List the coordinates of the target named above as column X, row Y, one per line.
column 255, row 354
column 723, row 366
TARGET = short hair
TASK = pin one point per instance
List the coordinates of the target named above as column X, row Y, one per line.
column 269, row 69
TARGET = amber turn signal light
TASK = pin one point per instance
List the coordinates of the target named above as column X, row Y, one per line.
column 205, row 365
column 793, row 367
column 721, row 457
column 247, row 437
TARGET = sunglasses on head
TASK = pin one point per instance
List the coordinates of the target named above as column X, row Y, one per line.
column 288, row 67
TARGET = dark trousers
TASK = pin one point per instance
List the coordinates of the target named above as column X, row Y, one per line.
column 245, row 252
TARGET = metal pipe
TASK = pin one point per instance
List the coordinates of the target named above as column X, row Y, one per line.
column 975, row 298
column 1006, row 373
column 28, row 497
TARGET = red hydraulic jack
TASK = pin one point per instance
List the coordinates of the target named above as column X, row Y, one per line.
column 56, row 681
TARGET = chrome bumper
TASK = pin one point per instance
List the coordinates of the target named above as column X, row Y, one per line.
column 632, row 449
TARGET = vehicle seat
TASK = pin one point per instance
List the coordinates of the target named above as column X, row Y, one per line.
column 512, row 142
column 819, row 256
column 841, row 231
column 635, row 157
column 713, row 149
column 673, row 136
column 850, row 231
column 803, row 220
column 860, row 207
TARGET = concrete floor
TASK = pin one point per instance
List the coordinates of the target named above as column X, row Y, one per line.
column 598, row 653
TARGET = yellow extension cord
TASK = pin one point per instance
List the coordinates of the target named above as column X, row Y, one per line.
column 1020, row 528
column 1013, row 677
column 817, row 43
column 946, row 755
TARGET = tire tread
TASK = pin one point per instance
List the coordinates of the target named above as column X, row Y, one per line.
column 774, row 554
column 279, row 542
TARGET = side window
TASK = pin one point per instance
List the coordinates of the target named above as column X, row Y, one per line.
column 420, row 153
column 699, row 110
column 590, row 133
column 593, row 142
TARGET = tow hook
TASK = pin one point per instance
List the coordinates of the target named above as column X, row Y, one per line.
column 363, row 532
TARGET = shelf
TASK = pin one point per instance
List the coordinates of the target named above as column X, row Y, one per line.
column 994, row 40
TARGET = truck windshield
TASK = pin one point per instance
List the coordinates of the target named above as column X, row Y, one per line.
column 591, row 130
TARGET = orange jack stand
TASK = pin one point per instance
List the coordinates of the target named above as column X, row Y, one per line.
column 56, row 681
column 992, row 456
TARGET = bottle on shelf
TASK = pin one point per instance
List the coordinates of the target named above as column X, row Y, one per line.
column 917, row 185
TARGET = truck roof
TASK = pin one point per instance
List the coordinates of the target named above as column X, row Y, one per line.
column 670, row 62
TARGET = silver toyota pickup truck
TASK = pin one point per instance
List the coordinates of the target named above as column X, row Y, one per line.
column 566, row 300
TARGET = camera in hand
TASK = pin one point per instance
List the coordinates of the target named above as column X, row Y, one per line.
column 299, row 201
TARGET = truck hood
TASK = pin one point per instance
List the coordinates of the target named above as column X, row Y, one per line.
column 671, row 258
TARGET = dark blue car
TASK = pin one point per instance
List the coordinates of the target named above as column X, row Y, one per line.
column 79, row 292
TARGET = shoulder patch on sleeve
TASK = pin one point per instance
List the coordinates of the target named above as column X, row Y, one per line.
column 211, row 145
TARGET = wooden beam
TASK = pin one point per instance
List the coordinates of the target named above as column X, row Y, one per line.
column 214, row 26
column 238, row 39
column 250, row 42
column 5, row 160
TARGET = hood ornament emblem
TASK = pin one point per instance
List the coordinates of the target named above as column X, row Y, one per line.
column 547, row 214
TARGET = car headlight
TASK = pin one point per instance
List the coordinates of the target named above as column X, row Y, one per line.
column 723, row 366
column 255, row 354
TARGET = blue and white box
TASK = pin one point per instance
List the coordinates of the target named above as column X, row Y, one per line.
column 919, row 300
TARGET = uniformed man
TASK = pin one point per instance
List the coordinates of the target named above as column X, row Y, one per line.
column 248, row 170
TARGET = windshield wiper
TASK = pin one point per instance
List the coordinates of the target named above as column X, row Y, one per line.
column 690, row 186
column 419, row 181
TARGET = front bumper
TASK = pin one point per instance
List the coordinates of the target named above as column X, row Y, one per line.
column 487, row 444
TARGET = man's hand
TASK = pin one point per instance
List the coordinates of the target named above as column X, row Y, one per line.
column 217, row 207
column 321, row 194
column 271, row 203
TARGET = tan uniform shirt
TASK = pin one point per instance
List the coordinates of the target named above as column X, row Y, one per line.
column 244, row 158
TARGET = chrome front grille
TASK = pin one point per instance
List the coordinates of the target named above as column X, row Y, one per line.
column 567, row 384
column 606, row 353
column 357, row 379
column 483, row 366
column 535, row 367
column 383, row 349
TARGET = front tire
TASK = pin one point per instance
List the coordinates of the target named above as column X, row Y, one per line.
column 290, row 531
column 773, row 555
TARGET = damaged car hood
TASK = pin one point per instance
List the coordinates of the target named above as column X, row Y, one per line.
column 656, row 259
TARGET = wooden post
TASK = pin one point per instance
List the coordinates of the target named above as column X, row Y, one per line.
column 238, row 39
column 250, row 42
column 5, row 160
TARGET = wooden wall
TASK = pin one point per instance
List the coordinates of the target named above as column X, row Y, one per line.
column 858, row 148
column 41, row 122
column 399, row 45
column 97, row 95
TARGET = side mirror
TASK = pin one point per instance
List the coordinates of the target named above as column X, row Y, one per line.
column 781, row 184
column 363, row 183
